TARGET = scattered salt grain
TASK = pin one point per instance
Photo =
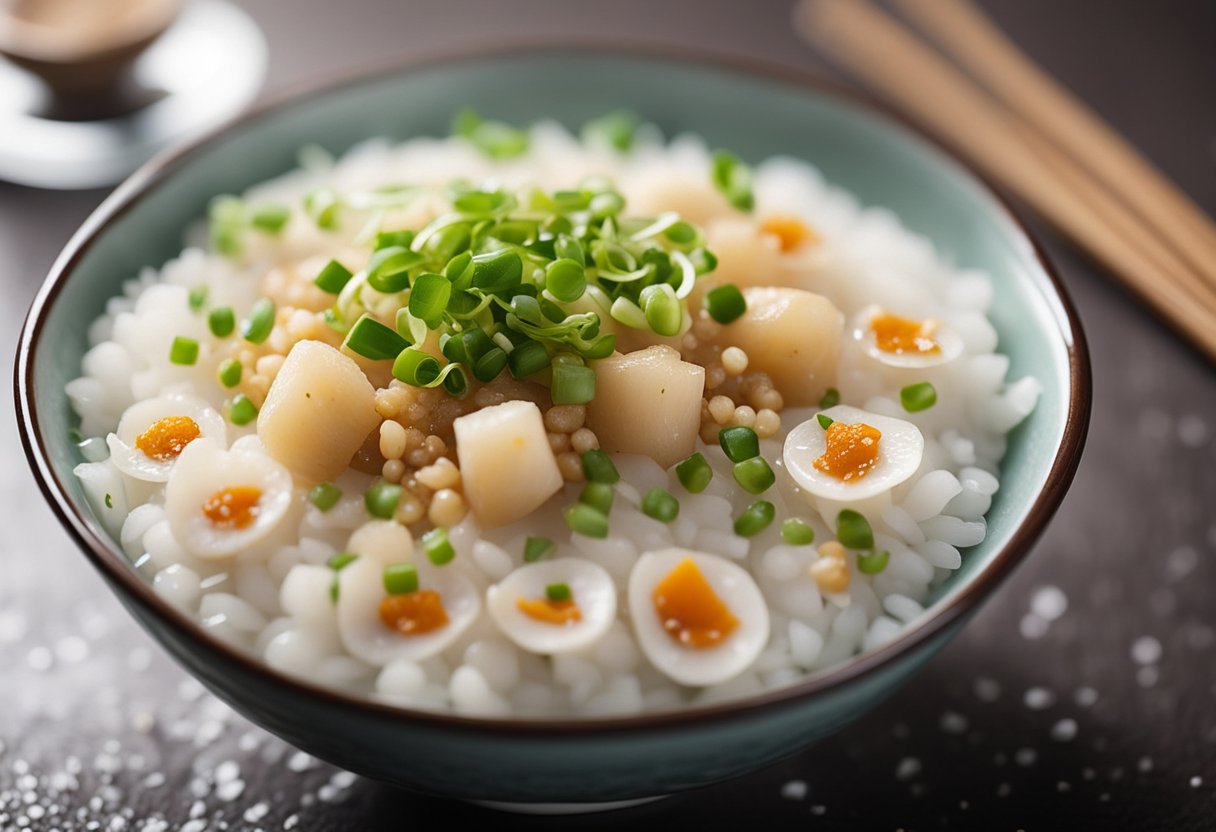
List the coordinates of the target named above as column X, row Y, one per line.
column 1085, row 696
column 1064, row 730
column 907, row 768
column 1192, row 431
column 1033, row 627
column 1049, row 603
column 1039, row 699
column 953, row 722
column 1180, row 562
column 1144, row 764
column 1025, row 757
column 1196, row 781
column 987, row 690
column 1146, row 650
column 794, row 790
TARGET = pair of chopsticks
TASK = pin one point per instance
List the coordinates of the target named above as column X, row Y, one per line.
column 1030, row 135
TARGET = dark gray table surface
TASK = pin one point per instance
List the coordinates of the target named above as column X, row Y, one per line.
column 1083, row 696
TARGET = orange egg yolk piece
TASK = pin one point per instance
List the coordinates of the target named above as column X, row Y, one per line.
column 790, row 232
column 414, row 613
column 233, row 508
column 690, row 610
column 550, row 612
column 166, row 438
column 852, row 451
column 898, row 335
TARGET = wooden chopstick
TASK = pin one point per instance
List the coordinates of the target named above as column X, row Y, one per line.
column 875, row 47
column 980, row 47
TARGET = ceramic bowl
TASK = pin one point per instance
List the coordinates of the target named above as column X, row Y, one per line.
column 757, row 112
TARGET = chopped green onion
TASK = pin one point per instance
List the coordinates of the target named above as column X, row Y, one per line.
column 660, row 505
column 333, row 278
column 341, row 560
column 325, row 495
column 322, row 207
column 568, row 248
column 725, row 303
column 269, row 216
column 606, row 204
column 598, row 495
column 536, row 548
column 662, row 308
column 498, row 273
column 831, row 398
column 587, row 521
column 109, row 500
column 437, row 546
column 754, row 475
column 493, row 138
column 466, row 347
column 400, row 578
column 490, row 364
column 566, row 279
column 456, row 382
column 183, row 351
column 429, row 298
column 918, row 397
column 402, row 238
column 694, row 473
column 227, row 216
column 572, row 384
column 381, row 500
column 558, row 592
column 681, row 233
column 825, row 421
column 733, row 180
column 615, row 129
column 853, row 530
column 388, row 270
column 598, row 467
column 221, row 321
column 256, row 328
column 372, row 339
column 413, row 366
column 873, row 562
column 755, row 518
column 482, row 202
column 197, row 298
column 241, row 411
column 229, row 372
column 797, row 532
column 528, row 358
column 739, row 442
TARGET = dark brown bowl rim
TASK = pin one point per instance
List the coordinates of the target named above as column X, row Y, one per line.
column 115, row 567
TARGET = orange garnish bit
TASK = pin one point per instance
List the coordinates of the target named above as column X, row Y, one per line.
column 414, row 613
column 233, row 508
column 791, row 232
column 550, row 612
column 904, row 335
column 690, row 610
column 166, row 438
column 852, row 451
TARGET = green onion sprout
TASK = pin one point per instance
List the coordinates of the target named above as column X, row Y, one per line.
column 694, row 473
column 918, row 397
column 853, row 530
column 400, row 578
column 437, row 546
column 755, row 518
column 660, row 505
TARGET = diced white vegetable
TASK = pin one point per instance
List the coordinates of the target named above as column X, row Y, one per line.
column 506, row 463
column 318, row 412
column 794, row 336
column 648, row 402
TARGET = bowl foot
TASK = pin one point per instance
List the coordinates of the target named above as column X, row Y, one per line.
column 565, row 808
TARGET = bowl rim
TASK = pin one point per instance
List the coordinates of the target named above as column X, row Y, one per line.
column 117, row 570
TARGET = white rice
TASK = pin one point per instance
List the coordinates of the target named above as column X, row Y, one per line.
column 272, row 605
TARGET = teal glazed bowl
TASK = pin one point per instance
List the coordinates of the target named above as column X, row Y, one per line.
column 757, row 112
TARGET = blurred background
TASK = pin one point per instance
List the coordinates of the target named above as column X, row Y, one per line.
column 1082, row 696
